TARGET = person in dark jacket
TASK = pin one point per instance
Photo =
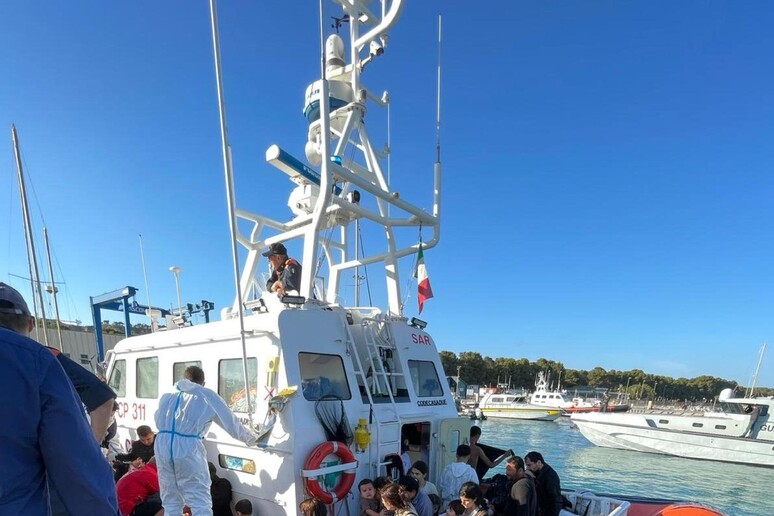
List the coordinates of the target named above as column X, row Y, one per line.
column 549, row 490
column 220, row 490
column 286, row 272
column 142, row 448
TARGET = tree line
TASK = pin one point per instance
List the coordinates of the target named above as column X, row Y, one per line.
column 483, row 371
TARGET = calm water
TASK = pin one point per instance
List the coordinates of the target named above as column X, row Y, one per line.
column 734, row 489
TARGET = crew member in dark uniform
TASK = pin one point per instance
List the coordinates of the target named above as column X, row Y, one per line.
column 286, row 272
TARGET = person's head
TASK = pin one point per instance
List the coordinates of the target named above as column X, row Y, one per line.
column 277, row 254
column 312, row 507
column 475, row 433
column 533, row 461
column 14, row 313
column 195, row 374
column 243, row 507
column 419, row 472
column 367, row 489
column 393, row 497
column 410, row 487
column 463, row 453
column 471, row 495
column 382, row 482
column 514, row 468
column 455, row 508
column 145, row 434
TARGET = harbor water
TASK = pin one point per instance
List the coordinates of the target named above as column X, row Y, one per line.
column 734, row 489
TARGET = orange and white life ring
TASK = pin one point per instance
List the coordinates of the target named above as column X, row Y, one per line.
column 315, row 460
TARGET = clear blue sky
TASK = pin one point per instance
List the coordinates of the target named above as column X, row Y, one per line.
column 608, row 166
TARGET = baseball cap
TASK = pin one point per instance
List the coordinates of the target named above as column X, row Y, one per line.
column 11, row 302
column 277, row 248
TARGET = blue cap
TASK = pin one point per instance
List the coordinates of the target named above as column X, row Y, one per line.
column 11, row 302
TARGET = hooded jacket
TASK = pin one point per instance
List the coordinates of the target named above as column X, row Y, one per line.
column 452, row 478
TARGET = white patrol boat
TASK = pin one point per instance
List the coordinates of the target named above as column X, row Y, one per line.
column 336, row 392
column 739, row 430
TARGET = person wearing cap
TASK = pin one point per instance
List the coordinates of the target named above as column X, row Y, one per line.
column 286, row 272
column 47, row 435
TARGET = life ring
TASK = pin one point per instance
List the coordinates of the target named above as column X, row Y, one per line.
column 314, row 461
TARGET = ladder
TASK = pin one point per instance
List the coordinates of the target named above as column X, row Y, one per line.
column 376, row 336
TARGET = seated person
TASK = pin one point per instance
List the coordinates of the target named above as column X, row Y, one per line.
column 220, row 490
column 138, row 492
column 142, row 448
column 243, row 507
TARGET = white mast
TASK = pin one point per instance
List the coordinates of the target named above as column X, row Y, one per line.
column 755, row 375
column 53, row 288
column 31, row 257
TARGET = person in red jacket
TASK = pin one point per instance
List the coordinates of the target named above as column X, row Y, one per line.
column 138, row 492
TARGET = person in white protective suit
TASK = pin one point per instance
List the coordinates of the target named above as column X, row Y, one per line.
column 182, row 419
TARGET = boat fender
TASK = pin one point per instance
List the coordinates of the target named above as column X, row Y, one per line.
column 315, row 460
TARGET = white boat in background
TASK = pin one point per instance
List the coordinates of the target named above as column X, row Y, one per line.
column 739, row 430
column 549, row 398
column 515, row 406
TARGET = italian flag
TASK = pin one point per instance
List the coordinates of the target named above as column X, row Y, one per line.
column 424, row 291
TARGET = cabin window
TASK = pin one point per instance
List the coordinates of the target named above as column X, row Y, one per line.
column 425, row 378
column 117, row 380
column 237, row 463
column 697, row 425
column 497, row 399
column 663, row 421
column 323, row 375
column 720, row 427
column 148, row 377
column 231, row 382
column 178, row 369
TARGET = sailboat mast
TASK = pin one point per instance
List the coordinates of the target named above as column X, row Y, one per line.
column 31, row 257
column 53, row 288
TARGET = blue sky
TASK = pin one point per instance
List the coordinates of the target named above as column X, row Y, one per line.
column 608, row 166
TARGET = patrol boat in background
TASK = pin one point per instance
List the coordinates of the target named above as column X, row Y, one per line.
column 335, row 391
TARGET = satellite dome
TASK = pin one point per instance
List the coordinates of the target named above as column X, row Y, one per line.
column 726, row 394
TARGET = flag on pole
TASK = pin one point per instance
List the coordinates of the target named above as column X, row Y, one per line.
column 423, row 281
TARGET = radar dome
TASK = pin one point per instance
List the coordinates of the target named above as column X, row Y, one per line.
column 726, row 394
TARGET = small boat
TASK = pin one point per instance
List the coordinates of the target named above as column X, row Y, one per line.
column 515, row 406
column 739, row 430
column 579, row 405
column 585, row 502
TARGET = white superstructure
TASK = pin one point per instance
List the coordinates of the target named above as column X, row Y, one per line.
column 545, row 397
column 309, row 360
column 740, row 430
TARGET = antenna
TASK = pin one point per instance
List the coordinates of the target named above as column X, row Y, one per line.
column 438, row 100
column 437, row 165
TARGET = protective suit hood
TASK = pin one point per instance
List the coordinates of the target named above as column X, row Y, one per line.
column 186, row 385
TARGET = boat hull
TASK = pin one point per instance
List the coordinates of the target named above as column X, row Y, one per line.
column 524, row 414
column 631, row 432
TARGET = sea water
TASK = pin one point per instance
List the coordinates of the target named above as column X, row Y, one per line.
column 733, row 489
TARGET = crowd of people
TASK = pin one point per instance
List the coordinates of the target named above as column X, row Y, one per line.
column 532, row 488
column 167, row 472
